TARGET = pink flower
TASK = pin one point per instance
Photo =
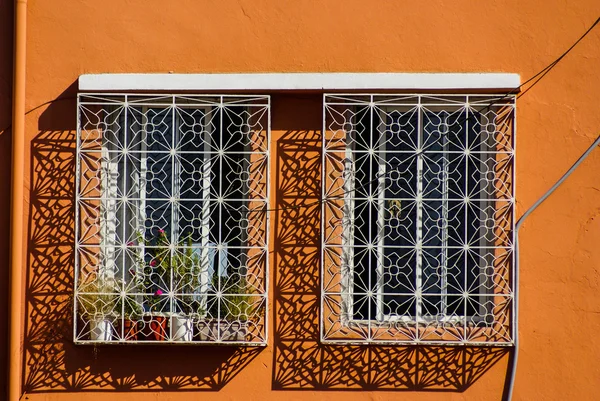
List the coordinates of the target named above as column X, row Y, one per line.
column 130, row 243
column 153, row 262
column 161, row 231
column 158, row 292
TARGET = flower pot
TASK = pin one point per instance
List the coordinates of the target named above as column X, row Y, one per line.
column 101, row 330
column 155, row 328
column 130, row 330
column 183, row 328
column 223, row 330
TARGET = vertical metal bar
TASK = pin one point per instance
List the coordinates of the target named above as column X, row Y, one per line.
column 77, row 262
column 381, row 201
column 466, row 217
column 124, row 222
column 419, row 222
column 267, row 233
column 174, row 215
column 514, row 273
column 222, row 300
column 370, row 239
column 141, row 223
column 323, row 212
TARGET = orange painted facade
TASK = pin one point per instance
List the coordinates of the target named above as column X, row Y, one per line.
column 556, row 121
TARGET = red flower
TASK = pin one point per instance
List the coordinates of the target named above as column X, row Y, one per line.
column 130, row 243
column 132, row 271
column 153, row 262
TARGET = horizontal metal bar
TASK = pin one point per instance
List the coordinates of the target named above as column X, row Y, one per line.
column 168, row 152
column 172, row 342
column 465, row 343
column 329, row 199
column 175, row 95
column 415, row 248
column 451, row 106
column 507, row 295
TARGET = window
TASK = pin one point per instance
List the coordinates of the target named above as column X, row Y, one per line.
column 418, row 217
column 171, row 218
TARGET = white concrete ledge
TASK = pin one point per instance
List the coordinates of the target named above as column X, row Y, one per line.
column 297, row 81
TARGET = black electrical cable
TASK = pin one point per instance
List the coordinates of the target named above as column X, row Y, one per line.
column 539, row 75
column 555, row 62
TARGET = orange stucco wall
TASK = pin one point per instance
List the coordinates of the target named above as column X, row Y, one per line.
column 557, row 120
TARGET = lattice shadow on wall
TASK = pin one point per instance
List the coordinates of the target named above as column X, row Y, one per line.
column 300, row 361
column 52, row 363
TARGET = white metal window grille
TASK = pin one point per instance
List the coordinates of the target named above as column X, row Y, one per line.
column 171, row 219
column 418, row 217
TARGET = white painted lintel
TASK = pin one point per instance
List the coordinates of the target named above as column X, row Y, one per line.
column 298, row 81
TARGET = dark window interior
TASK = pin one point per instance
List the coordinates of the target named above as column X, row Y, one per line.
column 446, row 269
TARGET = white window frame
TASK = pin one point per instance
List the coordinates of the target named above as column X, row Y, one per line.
column 118, row 218
column 348, row 322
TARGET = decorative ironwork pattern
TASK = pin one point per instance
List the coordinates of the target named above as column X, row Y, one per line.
column 171, row 219
column 417, row 219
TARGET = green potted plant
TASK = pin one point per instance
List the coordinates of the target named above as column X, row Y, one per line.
column 132, row 311
column 155, row 319
column 239, row 309
column 186, row 270
column 97, row 303
column 228, row 315
column 156, row 283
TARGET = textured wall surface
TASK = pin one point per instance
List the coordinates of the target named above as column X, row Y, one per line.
column 556, row 121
